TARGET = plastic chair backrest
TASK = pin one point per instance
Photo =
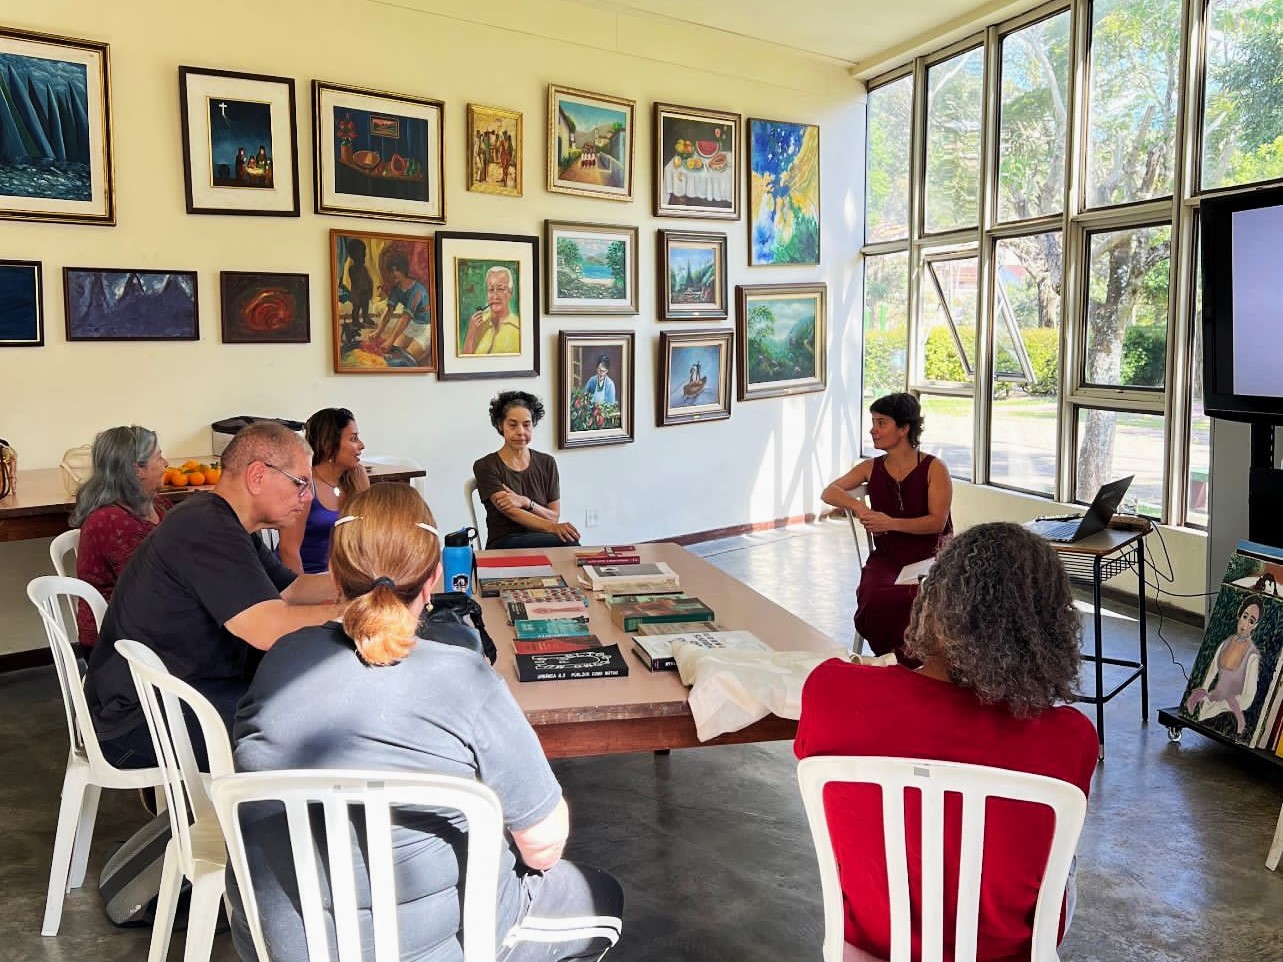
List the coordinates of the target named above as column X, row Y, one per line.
column 54, row 596
column 65, row 544
column 337, row 792
column 476, row 510
column 163, row 698
column 863, row 539
column 976, row 784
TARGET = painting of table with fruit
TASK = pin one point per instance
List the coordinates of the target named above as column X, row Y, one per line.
column 696, row 156
column 380, row 155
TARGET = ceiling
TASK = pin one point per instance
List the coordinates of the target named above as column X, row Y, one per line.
column 849, row 31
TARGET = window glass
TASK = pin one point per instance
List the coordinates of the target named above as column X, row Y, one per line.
column 886, row 331
column 1026, row 362
column 1114, row 444
column 955, row 90
column 1133, row 83
column 1243, row 96
column 947, row 334
column 947, row 431
column 1128, row 278
column 1198, row 487
column 1033, row 119
column 886, row 192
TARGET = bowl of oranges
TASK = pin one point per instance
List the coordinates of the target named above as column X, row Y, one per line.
column 192, row 474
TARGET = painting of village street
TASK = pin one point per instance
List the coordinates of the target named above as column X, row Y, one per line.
column 782, row 332
column 590, row 144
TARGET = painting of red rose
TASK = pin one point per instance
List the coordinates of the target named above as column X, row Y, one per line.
column 260, row 308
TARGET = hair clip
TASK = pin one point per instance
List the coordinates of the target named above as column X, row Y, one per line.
column 346, row 518
column 427, row 527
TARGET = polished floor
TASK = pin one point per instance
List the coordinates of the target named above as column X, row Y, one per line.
column 711, row 844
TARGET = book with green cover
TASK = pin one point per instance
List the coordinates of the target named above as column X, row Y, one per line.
column 658, row 610
column 550, row 627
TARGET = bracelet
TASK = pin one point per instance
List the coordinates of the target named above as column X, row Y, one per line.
column 530, row 504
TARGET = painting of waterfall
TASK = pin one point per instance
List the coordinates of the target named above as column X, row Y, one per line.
column 55, row 152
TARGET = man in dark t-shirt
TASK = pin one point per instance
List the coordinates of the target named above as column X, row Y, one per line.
column 202, row 590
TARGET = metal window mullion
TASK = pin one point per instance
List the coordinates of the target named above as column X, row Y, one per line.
column 917, row 188
column 1137, row 400
column 982, row 352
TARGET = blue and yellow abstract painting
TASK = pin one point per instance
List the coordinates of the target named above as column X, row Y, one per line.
column 784, row 193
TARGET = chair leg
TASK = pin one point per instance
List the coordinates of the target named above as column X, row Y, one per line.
column 84, row 835
column 171, row 881
column 202, row 918
column 1276, row 847
column 74, row 786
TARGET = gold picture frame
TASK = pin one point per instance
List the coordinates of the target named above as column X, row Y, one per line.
column 506, row 149
column 590, row 143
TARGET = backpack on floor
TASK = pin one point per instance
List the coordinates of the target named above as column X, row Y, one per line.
column 130, row 881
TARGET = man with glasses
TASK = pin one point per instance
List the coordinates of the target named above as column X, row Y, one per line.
column 203, row 590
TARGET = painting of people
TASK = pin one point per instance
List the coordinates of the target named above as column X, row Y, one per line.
column 590, row 143
column 782, row 331
column 494, row 150
column 105, row 304
column 489, row 292
column 694, row 377
column 235, row 128
column 784, row 193
column 383, row 299
column 596, row 386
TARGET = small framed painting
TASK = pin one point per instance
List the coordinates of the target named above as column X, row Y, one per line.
column 488, row 305
column 590, row 143
column 22, row 304
column 260, row 308
column 378, row 154
column 694, row 377
column 784, row 193
column 595, row 383
column 382, row 297
column 110, row 304
column 239, row 137
column 494, row 149
column 592, row 268
column 55, row 164
column 781, row 333
column 696, row 156
column 692, row 276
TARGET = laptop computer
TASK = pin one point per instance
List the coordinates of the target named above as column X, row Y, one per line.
column 1099, row 512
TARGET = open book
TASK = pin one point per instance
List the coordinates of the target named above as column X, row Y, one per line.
column 912, row 574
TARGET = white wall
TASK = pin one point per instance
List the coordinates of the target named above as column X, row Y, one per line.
column 770, row 460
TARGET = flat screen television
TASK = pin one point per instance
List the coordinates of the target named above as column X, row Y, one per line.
column 1242, row 241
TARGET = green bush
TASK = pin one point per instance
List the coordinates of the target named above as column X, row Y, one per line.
column 1043, row 347
column 884, row 353
column 940, row 360
column 942, row 363
column 1145, row 355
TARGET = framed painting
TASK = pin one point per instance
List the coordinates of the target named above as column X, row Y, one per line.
column 692, row 276
column 494, row 150
column 488, row 303
column 111, row 304
column 378, row 154
column 694, row 377
column 261, row 308
column 56, row 163
column 695, row 172
column 240, row 133
column 382, row 297
column 590, row 143
column 781, row 334
column 22, row 304
column 784, row 193
column 595, row 384
column 592, row 268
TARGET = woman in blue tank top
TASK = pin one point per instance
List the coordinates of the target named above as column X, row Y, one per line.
column 337, row 474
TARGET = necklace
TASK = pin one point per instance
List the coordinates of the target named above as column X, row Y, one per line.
column 333, row 487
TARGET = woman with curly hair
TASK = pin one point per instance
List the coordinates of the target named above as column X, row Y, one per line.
column 995, row 628
column 911, row 495
column 519, row 486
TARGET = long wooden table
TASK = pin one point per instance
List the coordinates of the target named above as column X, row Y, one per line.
column 647, row 710
column 40, row 504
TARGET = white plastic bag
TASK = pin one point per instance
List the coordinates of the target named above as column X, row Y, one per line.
column 77, row 465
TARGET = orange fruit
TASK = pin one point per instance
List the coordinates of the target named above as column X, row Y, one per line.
column 189, row 466
column 195, row 477
column 212, row 475
column 179, row 480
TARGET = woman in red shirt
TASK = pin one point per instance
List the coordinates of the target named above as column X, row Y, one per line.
column 115, row 510
column 995, row 627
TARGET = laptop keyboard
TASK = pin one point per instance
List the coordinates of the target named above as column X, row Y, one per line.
column 1057, row 530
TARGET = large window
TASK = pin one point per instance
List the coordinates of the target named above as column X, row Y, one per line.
column 1026, row 273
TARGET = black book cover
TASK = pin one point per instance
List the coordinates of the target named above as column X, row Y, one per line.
column 603, row 662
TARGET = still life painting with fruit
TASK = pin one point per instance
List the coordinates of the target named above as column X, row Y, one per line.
column 696, row 156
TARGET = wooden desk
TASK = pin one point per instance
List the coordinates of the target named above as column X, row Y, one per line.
column 39, row 506
column 647, row 710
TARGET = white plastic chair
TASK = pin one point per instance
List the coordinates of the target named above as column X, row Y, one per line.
column 337, row 793
column 65, row 544
column 476, row 510
column 389, row 461
column 976, row 784
column 195, row 850
column 860, row 534
column 87, row 771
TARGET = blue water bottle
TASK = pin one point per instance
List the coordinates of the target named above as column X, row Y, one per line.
column 456, row 559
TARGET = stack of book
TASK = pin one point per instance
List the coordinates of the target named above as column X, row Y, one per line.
column 652, row 578
column 496, row 573
column 612, row 554
column 656, row 651
column 660, row 609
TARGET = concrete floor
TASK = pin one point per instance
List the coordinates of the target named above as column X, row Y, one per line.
column 712, row 846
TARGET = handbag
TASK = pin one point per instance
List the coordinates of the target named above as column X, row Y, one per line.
column 77, row 465
column 456, row 620
column 8, row 469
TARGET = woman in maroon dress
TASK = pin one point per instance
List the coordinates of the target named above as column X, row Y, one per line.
column 910, row 493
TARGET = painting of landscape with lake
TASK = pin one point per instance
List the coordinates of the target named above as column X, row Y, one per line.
column 592, row 268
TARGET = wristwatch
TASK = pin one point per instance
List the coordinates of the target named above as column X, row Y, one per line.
column 530, row 504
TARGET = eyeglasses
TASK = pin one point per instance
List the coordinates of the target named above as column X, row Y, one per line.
column 301, row 484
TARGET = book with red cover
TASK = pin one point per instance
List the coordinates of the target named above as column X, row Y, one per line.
column 618, row 554
column 511, row 560
column 561, row 643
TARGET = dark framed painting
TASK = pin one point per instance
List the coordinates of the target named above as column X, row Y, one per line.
column 590, row 143
column 596, row 388
column 378, row 154
column 240, row 136
column 263, row 308
column 781, row 339
column 784, row 193
column 22, row 304
column 495, row 150
column 696, row 156
column 694, row 382
column 56, row 164
column 488, row 303
column 114, row 304
column 382, row 299
column 592, row 268
column 692, row 276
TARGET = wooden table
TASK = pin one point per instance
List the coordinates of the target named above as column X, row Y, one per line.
column 647, row 710
column 39, row 506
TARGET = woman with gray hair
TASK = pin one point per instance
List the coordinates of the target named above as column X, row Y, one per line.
column 995, row 628
column 115, row 510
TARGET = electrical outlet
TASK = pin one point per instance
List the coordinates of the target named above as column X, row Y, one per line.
column 590, row 517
